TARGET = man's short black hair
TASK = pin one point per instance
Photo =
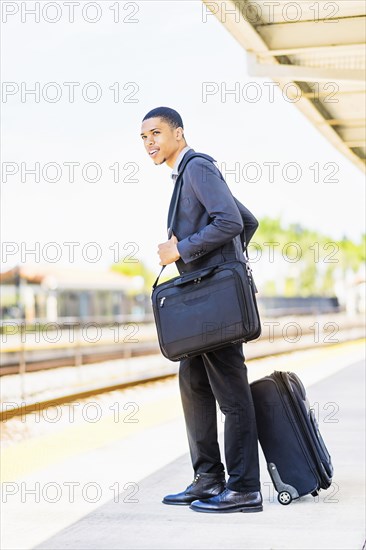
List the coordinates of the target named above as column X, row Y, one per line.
column 170, row 116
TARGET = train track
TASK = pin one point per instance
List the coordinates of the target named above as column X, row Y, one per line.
column 62, row 400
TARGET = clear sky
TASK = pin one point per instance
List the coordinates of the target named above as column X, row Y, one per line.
column 159, row 53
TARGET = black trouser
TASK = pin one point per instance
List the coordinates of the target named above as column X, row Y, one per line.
column 221, row 375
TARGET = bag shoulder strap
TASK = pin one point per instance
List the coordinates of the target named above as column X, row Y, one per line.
column 178, row 186
column 211, row 159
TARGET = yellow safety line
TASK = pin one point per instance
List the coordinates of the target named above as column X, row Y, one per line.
column 24, row 458
column 322, row 350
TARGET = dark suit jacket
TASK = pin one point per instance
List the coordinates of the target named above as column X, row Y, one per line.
column 209, row 223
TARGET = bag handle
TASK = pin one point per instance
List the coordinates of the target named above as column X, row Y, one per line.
column 193, row 276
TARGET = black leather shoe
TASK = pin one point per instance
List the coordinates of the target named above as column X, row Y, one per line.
column 203, row 486
column 230, row 501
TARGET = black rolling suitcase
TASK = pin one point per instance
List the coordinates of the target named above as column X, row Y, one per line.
column 297, row 458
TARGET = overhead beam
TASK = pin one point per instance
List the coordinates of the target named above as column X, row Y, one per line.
column 303, row 34
column 322, row 93
column 306, row 10
column 348, row 49
column 352, row 134
column 355, row 143
column 302, row 73
column 351, row 122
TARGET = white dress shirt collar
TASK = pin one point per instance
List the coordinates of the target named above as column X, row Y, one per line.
column 178, row 161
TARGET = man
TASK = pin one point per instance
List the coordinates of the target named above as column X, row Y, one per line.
column 208, row 229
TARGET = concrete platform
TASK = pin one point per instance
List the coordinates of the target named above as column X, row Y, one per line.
column 130, row 515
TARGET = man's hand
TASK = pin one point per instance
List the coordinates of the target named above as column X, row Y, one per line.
column 168, row 251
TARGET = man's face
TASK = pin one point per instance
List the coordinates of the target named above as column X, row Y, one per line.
column 161, row 140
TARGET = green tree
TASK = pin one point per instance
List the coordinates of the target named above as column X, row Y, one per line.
column 136, row 269
column 319, row 256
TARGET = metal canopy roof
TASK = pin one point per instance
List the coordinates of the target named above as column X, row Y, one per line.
column 316, row 52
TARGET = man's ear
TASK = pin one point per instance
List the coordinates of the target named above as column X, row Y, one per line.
column 179, row 133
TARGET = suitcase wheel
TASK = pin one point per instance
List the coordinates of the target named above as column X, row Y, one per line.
column 314, row 493
column 284, row 498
